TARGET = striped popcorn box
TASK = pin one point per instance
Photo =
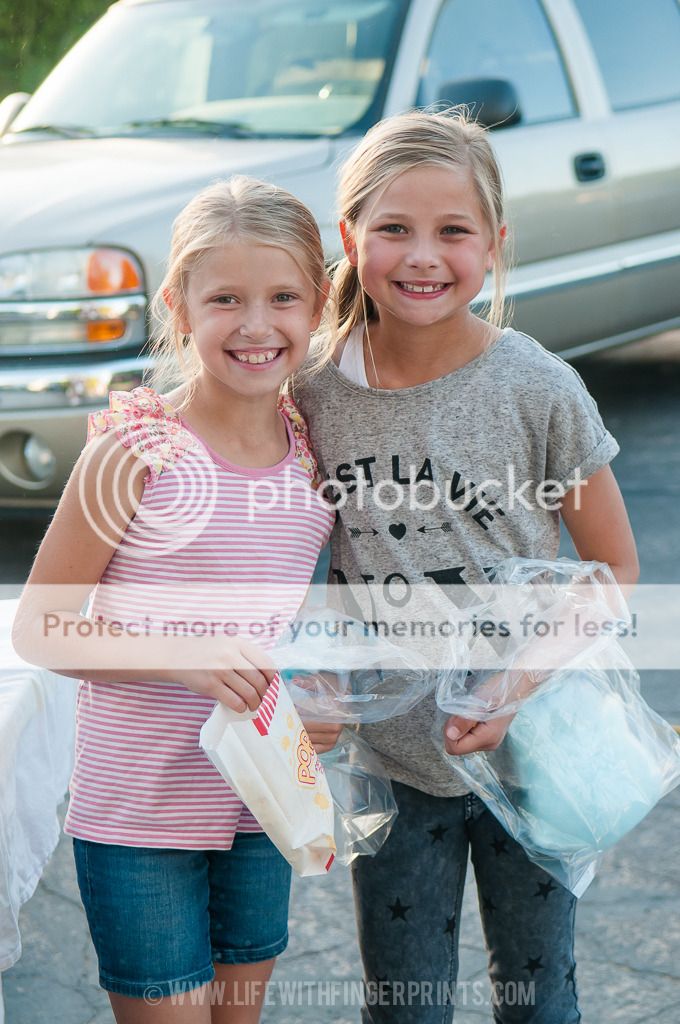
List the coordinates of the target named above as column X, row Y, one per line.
column 268, row 760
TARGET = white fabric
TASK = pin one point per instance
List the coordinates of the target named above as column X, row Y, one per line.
column 37, row 715
column 352, row 358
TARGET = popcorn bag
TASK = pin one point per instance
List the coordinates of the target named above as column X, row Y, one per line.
column 268, row 760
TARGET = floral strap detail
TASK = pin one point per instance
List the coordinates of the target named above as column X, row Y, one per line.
column 146, row 424
column 303, row 448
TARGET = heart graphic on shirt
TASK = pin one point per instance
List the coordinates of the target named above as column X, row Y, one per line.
column 397, row 530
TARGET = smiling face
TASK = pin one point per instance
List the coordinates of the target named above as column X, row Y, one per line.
column 250, row 310
column 422, row 247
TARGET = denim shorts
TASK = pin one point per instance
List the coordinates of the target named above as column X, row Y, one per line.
column 160, row 918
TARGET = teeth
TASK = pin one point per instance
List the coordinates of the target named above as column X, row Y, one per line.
column 256, row 357
column 422, row 289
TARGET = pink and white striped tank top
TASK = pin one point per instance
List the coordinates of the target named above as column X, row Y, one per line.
column 213, row 549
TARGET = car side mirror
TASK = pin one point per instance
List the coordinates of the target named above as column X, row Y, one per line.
column 10, row 107
column 492, row 101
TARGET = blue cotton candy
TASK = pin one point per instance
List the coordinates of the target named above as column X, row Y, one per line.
column 585, row 767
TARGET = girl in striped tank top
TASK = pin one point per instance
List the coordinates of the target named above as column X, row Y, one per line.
column 193, row 522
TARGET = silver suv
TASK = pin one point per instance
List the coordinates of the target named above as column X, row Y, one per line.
column 162, row 96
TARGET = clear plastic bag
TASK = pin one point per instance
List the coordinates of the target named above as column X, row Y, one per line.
column 337, row 670
column 584, row 759
column 583, row 762
column 560, row 597
column 365, row 807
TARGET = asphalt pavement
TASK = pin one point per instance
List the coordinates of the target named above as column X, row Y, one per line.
column 627, row 928
column 628, row 922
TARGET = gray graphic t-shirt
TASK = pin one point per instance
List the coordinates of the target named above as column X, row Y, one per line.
column 498, row 427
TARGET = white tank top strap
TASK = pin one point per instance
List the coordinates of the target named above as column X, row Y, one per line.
column 352, row 358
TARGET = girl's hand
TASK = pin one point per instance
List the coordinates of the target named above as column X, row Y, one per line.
column 238, row 676
column 463, row 736
column 323, row 735
column 467, row 735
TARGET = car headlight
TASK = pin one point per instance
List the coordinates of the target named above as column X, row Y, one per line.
column 71, row 299
column 40, row 459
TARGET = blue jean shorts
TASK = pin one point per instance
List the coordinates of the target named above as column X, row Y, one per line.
column 159, row 919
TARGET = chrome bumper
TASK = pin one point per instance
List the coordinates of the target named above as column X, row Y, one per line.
column 51, row 387
column 52, row 404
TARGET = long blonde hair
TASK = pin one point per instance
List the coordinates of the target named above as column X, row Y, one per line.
column 449, row 139
column 239, row 209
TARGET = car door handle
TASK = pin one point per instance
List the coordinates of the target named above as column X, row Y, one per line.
column 589, row 166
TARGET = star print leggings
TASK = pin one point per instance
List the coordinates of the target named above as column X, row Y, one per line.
column 408, row 902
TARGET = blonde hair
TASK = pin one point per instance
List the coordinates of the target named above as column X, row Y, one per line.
column 449, row 139
column 239, row 209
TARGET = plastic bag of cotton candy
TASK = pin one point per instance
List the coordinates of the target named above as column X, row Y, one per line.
column 584, row 759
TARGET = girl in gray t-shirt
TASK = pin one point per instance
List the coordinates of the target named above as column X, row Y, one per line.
column 428, row 400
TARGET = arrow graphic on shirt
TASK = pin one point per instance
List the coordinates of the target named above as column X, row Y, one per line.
column 355, row 532
column 445, row 528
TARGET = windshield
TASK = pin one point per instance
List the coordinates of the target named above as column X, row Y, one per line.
column 240, row 67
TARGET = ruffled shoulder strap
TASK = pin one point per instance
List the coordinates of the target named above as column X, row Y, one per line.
column 303, row 447
column 146, row 424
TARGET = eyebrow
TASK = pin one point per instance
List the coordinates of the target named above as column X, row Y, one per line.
column 406, row 216
column 290, row 287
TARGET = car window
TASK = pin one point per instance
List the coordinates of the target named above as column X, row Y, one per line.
column 511, row 40
column 317, row 67
column 638, row 48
